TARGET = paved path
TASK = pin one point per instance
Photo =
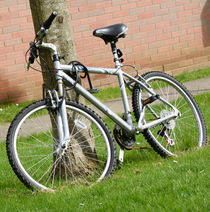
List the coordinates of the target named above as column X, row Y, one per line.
column 195, row 87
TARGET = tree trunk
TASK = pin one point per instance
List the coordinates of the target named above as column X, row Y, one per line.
column 60, row 34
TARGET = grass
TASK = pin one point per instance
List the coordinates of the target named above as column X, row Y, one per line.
column 189, row 76
column 8, row 112
column 146, row 182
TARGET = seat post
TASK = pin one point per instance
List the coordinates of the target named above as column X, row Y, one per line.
column 114, row 51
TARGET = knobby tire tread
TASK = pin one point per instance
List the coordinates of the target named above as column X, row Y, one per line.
column 39, row 103
column 135, row 104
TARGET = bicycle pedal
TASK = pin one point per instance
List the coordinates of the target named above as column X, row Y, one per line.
column 150, row 99
column 93, row 90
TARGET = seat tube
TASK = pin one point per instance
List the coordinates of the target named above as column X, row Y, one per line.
column 124, row 98
column 122, row 85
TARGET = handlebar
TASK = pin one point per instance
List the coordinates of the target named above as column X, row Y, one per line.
column 48, row 22
column 39, row 37
column 45, row 26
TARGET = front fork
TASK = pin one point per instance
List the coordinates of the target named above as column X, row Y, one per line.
column 62, row 114
column 58, row 103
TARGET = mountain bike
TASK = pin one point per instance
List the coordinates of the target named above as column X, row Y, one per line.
column 56, row 142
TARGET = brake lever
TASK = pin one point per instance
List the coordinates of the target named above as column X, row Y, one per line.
column 39, row 37
column 33, row 54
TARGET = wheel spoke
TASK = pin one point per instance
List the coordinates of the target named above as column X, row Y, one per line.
column 186, row 130
column 40, row 160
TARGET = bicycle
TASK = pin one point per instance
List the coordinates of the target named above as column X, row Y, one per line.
column 56, row 142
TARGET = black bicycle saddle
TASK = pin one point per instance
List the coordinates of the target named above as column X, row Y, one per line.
column 111, row 33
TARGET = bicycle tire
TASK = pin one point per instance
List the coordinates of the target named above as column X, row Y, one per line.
column 177, row 135
column 31, row 148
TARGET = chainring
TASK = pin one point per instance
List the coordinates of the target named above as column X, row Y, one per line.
column 123, row 139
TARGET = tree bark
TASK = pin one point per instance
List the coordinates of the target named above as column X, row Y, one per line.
column 60, row 34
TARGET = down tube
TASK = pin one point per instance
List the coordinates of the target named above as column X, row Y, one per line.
column 98, row 104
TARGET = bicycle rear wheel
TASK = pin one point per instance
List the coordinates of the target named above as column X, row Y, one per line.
column 180, row 134
column 32, row 147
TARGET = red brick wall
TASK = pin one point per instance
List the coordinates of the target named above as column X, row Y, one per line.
column 168, row 35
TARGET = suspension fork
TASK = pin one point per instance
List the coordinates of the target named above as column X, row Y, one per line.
column 61, row 116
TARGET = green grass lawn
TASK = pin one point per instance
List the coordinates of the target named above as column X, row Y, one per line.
column 8, row 111
column 189, row 76
column 146, row 182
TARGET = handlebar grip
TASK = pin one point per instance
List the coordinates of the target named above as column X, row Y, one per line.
column 49, row 21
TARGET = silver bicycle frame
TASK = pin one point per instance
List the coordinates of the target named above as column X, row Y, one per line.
column 126, row 125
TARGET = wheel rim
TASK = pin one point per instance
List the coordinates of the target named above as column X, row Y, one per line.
column 34, row 150
column 179, row 134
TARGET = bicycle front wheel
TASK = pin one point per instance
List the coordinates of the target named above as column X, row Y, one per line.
column 34, row 153
column 186, row 131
